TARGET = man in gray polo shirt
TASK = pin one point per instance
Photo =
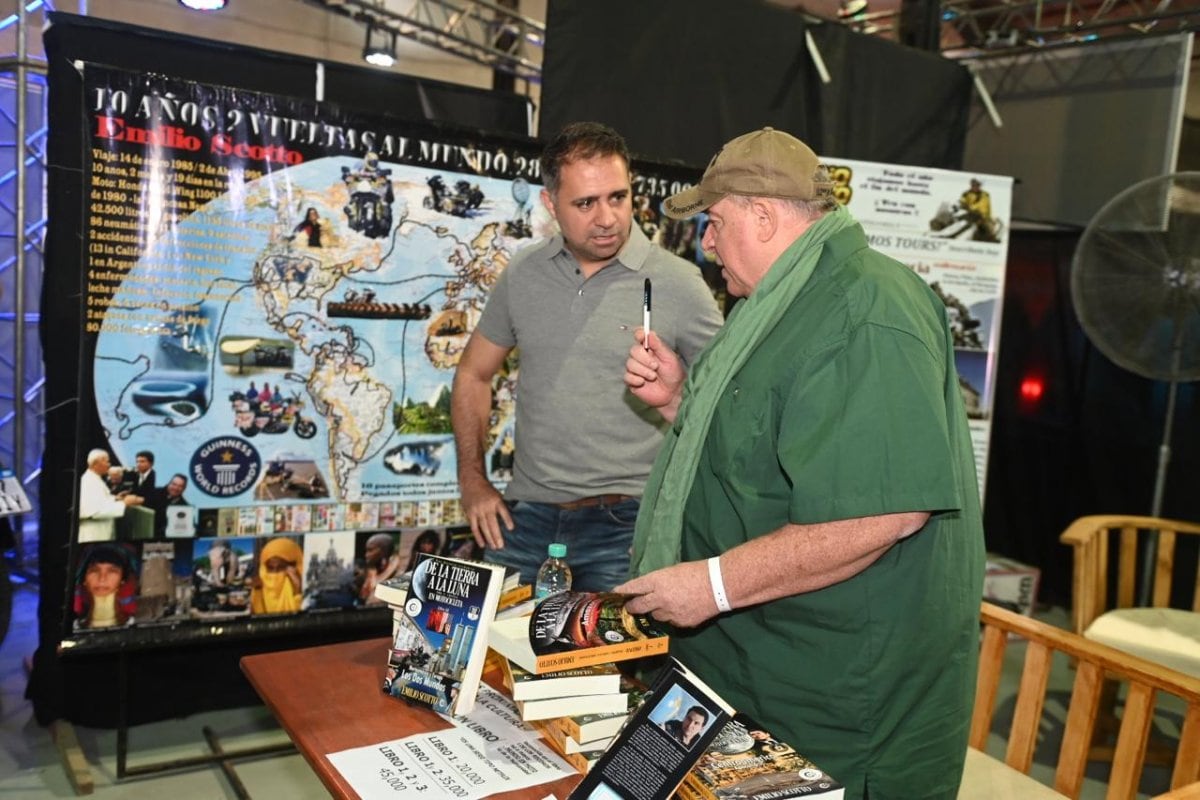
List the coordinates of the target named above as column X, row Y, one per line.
column 584, row 443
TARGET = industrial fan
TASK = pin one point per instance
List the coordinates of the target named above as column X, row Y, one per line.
column 1135, row 281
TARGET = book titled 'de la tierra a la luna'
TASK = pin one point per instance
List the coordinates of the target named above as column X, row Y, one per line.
column 440, row 641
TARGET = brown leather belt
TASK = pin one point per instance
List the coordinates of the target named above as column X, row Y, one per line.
column 594, row 501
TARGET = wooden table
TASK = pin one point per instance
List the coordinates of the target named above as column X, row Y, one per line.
column 329, row 699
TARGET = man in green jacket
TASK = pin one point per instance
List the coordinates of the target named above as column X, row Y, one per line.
column 812, row 527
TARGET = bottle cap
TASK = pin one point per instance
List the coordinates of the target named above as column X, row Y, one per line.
column 558, row 550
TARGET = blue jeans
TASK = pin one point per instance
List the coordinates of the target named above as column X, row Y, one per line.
column 598, row 540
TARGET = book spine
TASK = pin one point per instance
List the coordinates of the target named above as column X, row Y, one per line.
column 568, row 726
column 578, row 761
column 516, row 595
column 590, row 656
column 550, row 708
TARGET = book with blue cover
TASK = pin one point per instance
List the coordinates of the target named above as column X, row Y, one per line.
column 441, row 633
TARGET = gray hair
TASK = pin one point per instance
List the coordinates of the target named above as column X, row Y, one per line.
column 811, row 210
column 95, row 455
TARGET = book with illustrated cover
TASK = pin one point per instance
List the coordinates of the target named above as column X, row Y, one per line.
column 300, row 519
column 320, row 517
column 247, row 523
column 206, row 523
column 266, row 519
column 441, row 632
column 227, row 522
column 660, row 741
column 598, row 679
column 746, row 761
column 576, row 629
column 685, row 738
column 337, row 517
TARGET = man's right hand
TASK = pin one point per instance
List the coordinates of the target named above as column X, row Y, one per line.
column 486, row 511
column 132, row 499
column 655, row 374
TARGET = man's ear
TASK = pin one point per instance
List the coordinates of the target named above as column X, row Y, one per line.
column 548, row 202
column 766, row 219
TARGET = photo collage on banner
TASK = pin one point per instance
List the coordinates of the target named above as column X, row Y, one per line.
column 117, row 583
column 277, row 293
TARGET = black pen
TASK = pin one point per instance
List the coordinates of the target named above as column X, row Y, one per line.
column 646, row 314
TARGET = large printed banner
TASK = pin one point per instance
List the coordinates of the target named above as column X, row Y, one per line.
column 277, row 293
column 951, row 228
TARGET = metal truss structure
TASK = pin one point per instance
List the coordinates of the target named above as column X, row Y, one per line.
column 495, row 35
column 23, row 130
column 974, row 28
column 488, row 33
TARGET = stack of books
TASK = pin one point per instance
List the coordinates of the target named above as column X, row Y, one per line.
column 560, row 667
column 676, row 738
column 686, row 742
column 586, row 690
column 580, row 739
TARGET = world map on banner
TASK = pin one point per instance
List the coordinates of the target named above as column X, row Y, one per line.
column 313, row 317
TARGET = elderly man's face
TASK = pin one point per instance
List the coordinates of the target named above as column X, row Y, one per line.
column 731, row 235
column 101, row 465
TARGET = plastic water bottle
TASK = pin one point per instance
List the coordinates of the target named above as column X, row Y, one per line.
column 554, row 575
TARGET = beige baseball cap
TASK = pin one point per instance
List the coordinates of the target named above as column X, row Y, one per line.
column 763, row 163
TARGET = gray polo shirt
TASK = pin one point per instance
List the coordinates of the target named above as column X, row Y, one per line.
column 579, row 432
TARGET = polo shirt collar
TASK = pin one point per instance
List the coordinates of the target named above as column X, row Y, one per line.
column 632, row 256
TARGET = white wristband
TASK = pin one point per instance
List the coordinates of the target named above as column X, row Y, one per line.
column 718, row 585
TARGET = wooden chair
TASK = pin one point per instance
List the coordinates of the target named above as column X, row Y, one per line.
column 1095, row 660
column 1109, row 561
column 1169, row 636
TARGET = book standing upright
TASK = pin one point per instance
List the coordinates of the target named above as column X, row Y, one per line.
column 441, row 633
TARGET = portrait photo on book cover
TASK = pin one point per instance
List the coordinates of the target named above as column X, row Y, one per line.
column 682, row 717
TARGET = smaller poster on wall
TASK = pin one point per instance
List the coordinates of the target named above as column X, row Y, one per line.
column 952, row 229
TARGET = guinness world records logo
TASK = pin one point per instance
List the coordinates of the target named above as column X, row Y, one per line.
column 225, row 466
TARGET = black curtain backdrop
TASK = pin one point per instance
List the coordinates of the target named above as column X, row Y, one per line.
column 180, row 678
column 1090, row 444
column 679, row 78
